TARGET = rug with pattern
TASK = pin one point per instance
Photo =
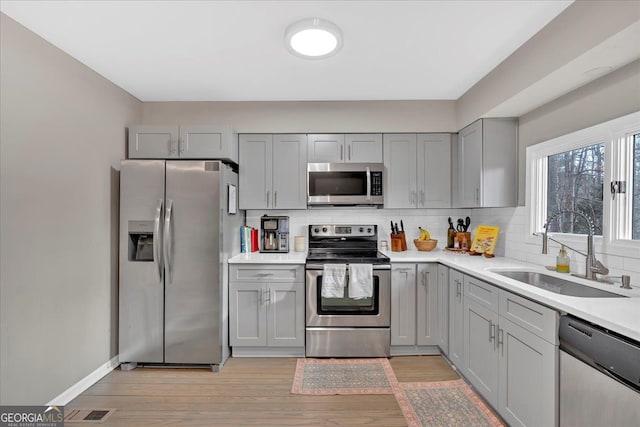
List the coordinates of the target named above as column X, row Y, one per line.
column 343, row 376
column 443, row 403
column 426, row 404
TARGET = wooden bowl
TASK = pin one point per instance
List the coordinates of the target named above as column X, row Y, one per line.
column 425, row 245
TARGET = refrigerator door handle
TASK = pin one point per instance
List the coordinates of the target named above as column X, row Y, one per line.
column 167, row 243
column 156, row 239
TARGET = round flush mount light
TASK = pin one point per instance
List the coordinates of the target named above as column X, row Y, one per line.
column 313, row 38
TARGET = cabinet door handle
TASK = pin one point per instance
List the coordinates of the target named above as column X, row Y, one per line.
column 422, row 197
column 342, row 152
column 349, row 152
column 492, row 331
column 477, row 196
column 275, row 199
column 261, row 296
column 501, row 340
column 268, row 297
column 181, row 145
column 264, row 274
column 267, row 198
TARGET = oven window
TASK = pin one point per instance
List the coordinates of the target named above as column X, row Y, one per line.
column 346, row 305
column 337, row 183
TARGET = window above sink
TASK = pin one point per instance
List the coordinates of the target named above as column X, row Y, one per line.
column 595, row 171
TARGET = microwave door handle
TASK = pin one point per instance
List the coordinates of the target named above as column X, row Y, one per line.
column 368, row 183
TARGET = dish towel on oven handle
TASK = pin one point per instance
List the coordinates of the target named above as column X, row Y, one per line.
column 334, row 278
column 360, row 281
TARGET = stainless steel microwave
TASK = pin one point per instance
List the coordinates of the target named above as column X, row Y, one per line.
column 344, row 184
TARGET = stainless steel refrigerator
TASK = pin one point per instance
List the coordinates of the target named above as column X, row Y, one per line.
column 176, row 234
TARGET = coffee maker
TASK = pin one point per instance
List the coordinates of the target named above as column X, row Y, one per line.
column 274, row 233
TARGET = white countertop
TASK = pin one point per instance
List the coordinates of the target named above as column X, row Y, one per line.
column 260, row 258
column 621, row 315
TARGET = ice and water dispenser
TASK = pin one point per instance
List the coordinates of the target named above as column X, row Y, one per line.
column 141, row 241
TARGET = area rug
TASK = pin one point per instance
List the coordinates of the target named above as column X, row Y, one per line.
column 343, row 376
column 444, row 403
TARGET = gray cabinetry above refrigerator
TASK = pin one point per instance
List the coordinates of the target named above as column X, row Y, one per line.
column 183, row 142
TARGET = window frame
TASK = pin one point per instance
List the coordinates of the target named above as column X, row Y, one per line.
column 617, row 137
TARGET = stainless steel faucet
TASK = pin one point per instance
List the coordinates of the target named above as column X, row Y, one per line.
column 593, row 266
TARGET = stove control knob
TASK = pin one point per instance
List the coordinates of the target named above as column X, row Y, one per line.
column 369, row 230
column 316, row 230
column 361, row 229
column 324, row 229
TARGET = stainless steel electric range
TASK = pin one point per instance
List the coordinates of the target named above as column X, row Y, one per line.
column 338, row 325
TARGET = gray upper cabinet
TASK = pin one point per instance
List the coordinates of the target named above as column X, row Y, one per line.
column 344, row 148
column 272, row 171
column 418, row 170
column 363, row 148
column 487, row 162
column 153, row 142
column 434, row 170
column 184, row 142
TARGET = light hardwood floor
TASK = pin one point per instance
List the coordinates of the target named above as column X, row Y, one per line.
column 246, row 392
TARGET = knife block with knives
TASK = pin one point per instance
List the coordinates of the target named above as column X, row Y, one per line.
column 398, row 239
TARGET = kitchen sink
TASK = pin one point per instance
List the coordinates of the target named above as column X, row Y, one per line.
column 557, row 285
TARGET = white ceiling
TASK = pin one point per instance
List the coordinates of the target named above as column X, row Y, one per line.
column 234, row 50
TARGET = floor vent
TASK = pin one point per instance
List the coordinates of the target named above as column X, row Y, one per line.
column 88, row 415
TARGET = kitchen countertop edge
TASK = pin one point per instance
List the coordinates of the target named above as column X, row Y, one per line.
column 621, row 315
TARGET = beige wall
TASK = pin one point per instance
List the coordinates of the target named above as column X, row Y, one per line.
column 62, row 136
column 310, row 117
column 581, row 27
column 614, row 95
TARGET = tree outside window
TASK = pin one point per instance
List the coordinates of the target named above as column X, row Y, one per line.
column 575, row 182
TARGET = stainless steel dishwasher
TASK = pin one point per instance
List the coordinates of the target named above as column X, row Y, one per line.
column 599, row 376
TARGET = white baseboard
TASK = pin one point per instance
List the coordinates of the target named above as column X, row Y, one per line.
column 74, row 391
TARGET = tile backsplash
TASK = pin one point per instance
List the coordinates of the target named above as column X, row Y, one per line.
column 513, row 240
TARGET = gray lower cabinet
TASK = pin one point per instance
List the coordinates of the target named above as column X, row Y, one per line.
column 183, row 142
column 414, row 308
column 506, row 356
column 443, row 308
column 456, row 319
column 273, row 171
column 266, row 309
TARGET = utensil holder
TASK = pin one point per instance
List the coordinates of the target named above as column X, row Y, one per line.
column 398, row 242
column 462, row 240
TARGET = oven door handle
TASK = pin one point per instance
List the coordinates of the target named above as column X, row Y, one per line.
column 321, row 267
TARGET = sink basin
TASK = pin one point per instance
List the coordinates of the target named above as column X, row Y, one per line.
column 557, row 285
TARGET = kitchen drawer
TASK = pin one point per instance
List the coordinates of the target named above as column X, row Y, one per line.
column 266, row 273
column 482, row 292
column 537, row 319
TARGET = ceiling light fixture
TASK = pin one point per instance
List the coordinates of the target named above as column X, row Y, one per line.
column 313, row 38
